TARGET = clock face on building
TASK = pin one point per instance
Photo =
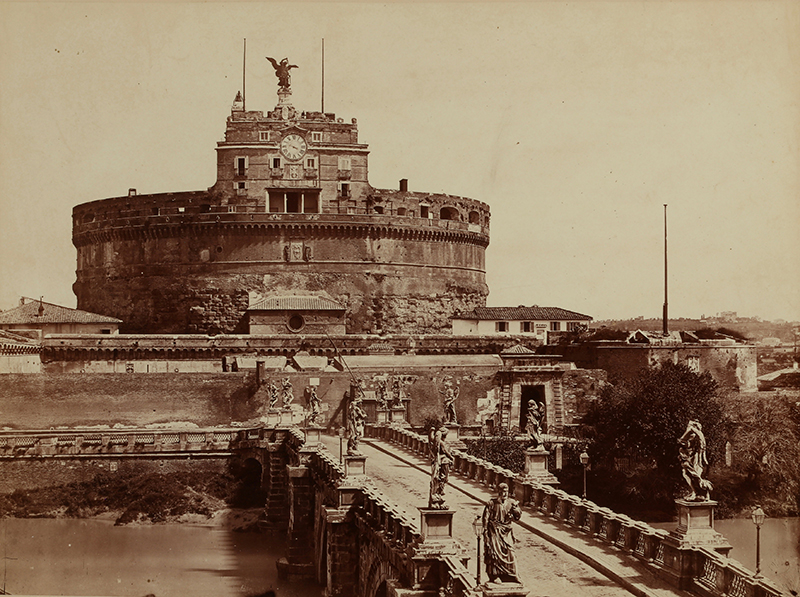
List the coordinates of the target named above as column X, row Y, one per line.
column 293, row 147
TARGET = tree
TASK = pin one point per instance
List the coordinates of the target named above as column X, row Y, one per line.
column 635, row 426
column 764, row 432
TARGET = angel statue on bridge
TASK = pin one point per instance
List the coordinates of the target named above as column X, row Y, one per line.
column 441, row 461
column 692, row 453
column 282, row 69
column 355, row 424
column 273, row 396
column 288, row 396
column 450, row 396
column 533, row 424
column 315, row 403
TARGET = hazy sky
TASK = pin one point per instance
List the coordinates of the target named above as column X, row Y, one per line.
column 574, row 121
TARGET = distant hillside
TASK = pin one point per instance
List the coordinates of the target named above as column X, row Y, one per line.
column 750, row 329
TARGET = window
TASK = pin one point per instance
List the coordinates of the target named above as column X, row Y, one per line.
column 263, row 135
column 423, row 211
column 296, row 322
column 276, row 162
column 293, row 203
column 181, row 210
column 575, row 326
column 501, row 326
column 310, row 203
column 378, row 209
column 316, row 137
column 526, row 326
column 105, row 331
column 345, row 189
column 241, row 166
column 344, row 163
column 555, row 326
column 155, row 211
column 311, row 163
column 241, row 187
column 231, row 209
column 401, row 211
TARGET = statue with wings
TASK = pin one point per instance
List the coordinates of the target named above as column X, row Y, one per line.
column 282, row 69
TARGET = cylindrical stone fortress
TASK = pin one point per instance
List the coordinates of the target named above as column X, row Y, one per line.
column 292, row 213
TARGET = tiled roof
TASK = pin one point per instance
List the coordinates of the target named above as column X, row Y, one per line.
column 518, row 349
column 296, row 303
column 524, row 314
column 29, row 314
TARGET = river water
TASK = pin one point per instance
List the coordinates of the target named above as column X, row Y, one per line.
column 93, row 557
column 780, row 547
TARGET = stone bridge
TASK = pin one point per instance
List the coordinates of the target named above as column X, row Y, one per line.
column 371, row 536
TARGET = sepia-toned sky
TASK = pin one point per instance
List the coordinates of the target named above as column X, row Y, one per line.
column 574, row 121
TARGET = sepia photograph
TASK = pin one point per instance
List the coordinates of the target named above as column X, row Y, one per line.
column 467, row 299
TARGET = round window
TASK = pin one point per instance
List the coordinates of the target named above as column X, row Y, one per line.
column 296, row 322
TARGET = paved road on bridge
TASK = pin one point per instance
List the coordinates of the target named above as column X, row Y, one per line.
column 544, row 567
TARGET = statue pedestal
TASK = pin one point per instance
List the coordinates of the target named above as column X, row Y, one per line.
column 384, row 416
column 436, row 525
column 506, row 589
column 536, row 467
column 273, row 417
column 313, row 435
column 355, row 466
column 398, row 416
column 695, row 529
column 696, row 526
column 436, row 528
column 454, row 436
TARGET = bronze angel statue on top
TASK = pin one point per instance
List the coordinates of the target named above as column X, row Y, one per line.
column 282, row 69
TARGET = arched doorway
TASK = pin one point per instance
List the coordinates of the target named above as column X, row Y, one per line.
column 532, row 393
column 247, row 490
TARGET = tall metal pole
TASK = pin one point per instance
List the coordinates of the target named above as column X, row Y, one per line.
column 758, row 550
column 322, row 109
column 584, row 481
column 666, row 325
column 244, row 78
column 479, row 559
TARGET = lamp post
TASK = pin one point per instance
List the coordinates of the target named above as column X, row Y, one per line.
column 477, row 527
column 584, row 461
column 341, row 437
column 758, row 517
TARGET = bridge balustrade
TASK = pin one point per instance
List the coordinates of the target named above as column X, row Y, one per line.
column 77, row 443
column 713, row 575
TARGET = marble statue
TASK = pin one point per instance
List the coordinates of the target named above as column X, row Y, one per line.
column 315, row 403
column 450, row 396
column 355, row 425
column 287, row 392
column 533, row 424
column 441, row 461
column 499, row 553
column 692, row 454
column 273, row 396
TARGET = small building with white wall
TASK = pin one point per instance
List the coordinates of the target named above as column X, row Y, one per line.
column 543, row 323
column 46, row 318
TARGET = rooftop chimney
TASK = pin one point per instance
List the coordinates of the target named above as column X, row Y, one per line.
column 403, row 185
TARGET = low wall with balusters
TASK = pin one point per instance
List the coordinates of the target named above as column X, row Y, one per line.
column 712, row 575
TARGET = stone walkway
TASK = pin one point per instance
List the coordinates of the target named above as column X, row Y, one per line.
column 551, row 561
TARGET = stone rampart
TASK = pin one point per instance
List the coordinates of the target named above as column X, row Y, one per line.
column 181, row 263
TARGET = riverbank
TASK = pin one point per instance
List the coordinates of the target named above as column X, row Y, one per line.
column 198, row 497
